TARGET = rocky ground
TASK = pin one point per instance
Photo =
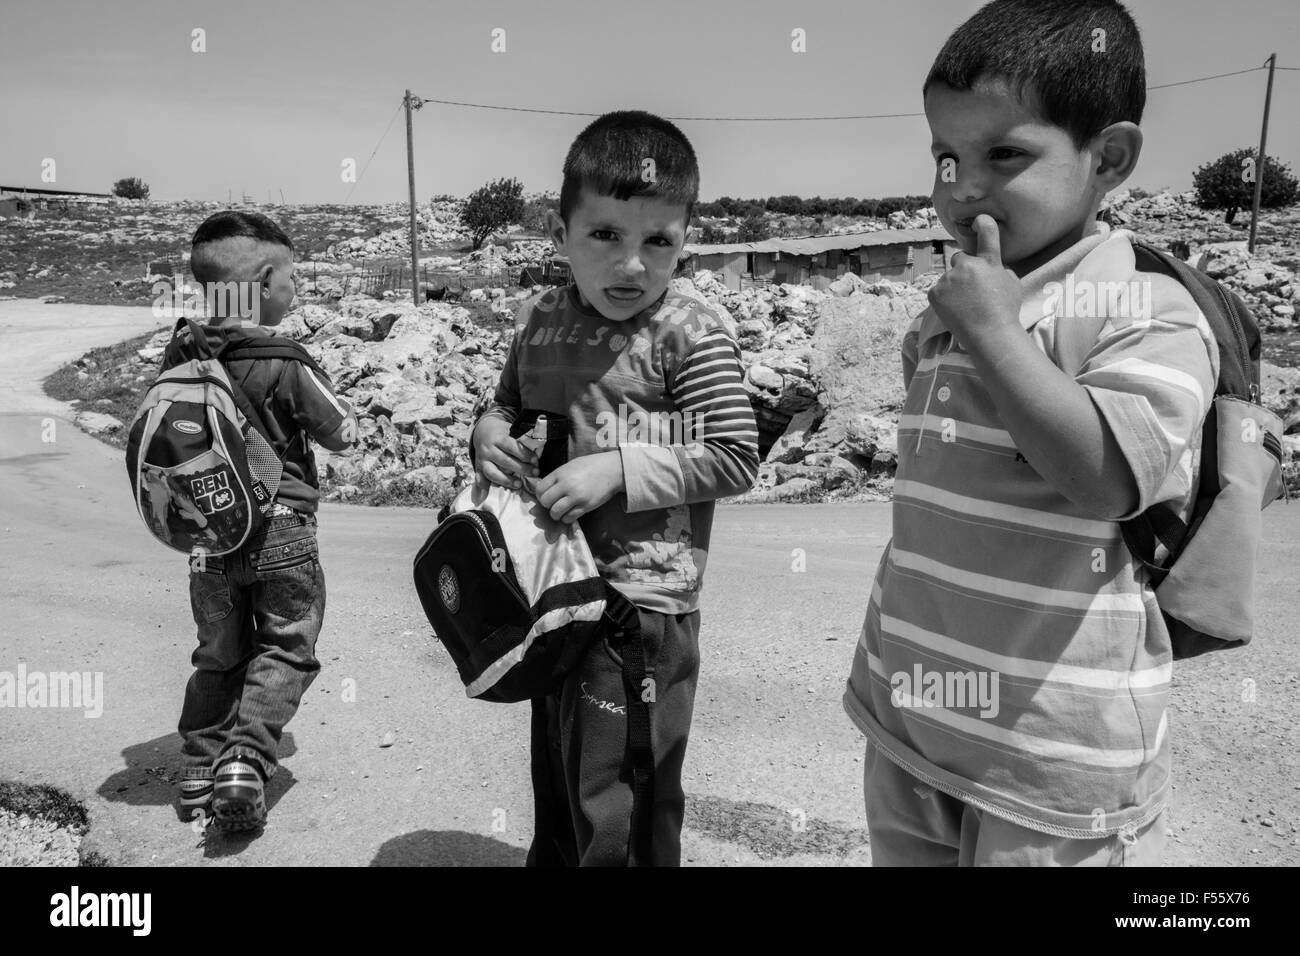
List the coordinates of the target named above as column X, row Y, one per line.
column 821, row 367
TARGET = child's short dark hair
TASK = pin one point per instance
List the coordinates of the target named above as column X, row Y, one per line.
column 1046, row 48
column 608, row 157
column 230, row 224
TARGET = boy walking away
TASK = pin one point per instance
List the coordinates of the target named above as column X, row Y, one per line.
column 1013, row 669
column 659, row 428
column 259, row 609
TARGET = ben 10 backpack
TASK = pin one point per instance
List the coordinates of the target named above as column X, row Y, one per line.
column 1203, row 568
column 203, row 473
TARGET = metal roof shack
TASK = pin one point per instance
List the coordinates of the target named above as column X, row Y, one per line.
column 899, row 254
column 64, row 197
column 16, row 207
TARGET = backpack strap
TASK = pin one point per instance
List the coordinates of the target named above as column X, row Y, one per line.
column 272, row 347
column 627, row 638
column 1234, row 327
column 1237, row 335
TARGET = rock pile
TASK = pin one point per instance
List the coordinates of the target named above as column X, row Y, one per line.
column 821, row 369
column 1267, row 281
column 438, row 223
column 492, row 258
column 1270, row 290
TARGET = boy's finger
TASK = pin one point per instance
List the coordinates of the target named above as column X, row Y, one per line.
column 495, row 475
column 544, row 491
column 988, row 244
column 503, row 459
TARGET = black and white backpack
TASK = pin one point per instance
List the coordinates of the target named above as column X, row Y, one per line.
column 517, row 599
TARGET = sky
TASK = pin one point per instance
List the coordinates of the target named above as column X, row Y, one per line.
column 285, row 92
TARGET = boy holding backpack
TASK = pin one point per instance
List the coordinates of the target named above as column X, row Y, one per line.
column 259, row 609
column 1014, row 664
column 659, row 428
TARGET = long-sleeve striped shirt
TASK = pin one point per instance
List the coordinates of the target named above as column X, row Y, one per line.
column 664, row 389
column 1012, row 655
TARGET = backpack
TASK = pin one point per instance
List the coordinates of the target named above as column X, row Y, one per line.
column 517, row 600
column 202, row 471
column 513, row 595
column 1203, row 569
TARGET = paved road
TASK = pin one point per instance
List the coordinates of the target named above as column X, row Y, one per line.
column 774, row 768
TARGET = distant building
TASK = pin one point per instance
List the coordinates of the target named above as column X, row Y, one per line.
column 63, row 197
column 817, row 261
column 16, row 207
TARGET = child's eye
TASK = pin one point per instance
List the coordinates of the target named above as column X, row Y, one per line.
column 660, row 241
column 603, row 234
column 1005, row 152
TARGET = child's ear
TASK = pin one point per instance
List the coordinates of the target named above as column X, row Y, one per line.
column 556, row 229
column 1117, row 148
column 263, row 278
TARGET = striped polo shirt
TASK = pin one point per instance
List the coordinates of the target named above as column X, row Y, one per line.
column 1012, row 654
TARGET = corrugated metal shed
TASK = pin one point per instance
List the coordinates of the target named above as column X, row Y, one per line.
column 815, row 245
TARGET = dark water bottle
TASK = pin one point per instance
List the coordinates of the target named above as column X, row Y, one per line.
column 545, row 433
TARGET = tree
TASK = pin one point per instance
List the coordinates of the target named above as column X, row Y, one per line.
column 753, row 228
column 1228, row 183
column 535, row 208
column 711, row 235
column 132, row 188
column 492, row 207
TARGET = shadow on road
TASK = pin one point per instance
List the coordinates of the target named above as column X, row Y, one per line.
column 771, row 832
column 153, row 770
column 447, row 848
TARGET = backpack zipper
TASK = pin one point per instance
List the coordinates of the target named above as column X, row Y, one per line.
column 490, row 543
column 1240, row 341
column 1270, row 442
column 1274, row 447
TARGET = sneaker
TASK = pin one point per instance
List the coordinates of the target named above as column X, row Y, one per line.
column 196, row 790
column 238, row 800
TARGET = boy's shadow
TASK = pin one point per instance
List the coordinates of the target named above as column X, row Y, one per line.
column 447, row 848
column 153, row 773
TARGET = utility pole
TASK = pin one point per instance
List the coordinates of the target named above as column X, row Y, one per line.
column 1259, row 157
column 412, row 102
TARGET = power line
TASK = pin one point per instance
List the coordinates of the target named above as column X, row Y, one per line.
column 372, row 153
column 714, row 119
column 791, row 119
column 1202, row 79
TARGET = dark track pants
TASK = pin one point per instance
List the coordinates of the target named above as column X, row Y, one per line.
column 581, row 772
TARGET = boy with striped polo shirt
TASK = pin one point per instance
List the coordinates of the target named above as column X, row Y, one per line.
column 1014, row 668
column 659, row 428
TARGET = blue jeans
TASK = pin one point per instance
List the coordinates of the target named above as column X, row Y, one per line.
column 259, row 612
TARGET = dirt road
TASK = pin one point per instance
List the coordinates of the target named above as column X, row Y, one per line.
column 774, row 768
